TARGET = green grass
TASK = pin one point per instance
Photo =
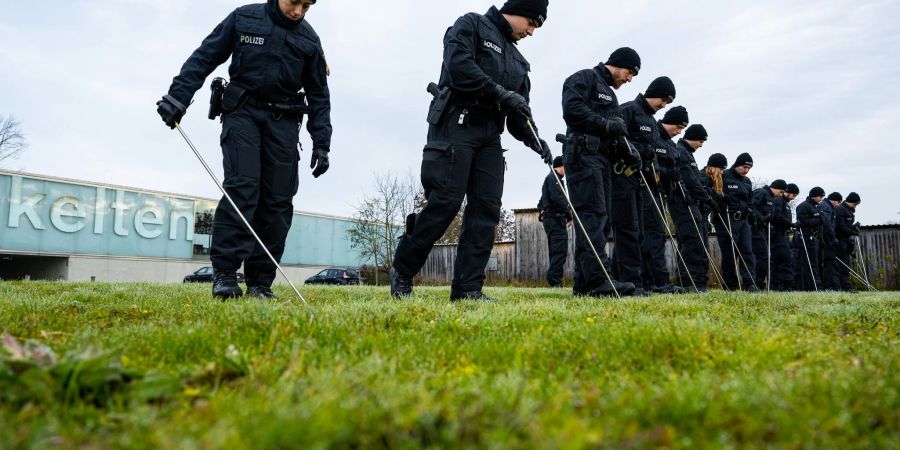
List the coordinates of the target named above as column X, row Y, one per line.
column 537, row 369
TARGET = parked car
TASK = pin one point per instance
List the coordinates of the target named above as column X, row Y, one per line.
column 205, row 274
column 340, row 276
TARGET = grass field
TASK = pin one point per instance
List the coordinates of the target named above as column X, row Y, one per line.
column 142, row 365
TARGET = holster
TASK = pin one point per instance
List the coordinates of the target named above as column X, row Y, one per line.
column 215, row 100
column 439, row 105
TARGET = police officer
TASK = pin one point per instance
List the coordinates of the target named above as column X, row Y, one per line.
column 663, row 177
column 845, row 229
column 737, row 253
column 811, row 228
column 782, row 259
column 555, row 215
column 483, row 85
column 627, row 199
column 711, row 180
column 685, row 202
column 829, row 241
column 595, row 131
column 762, row 211
column 276, row 57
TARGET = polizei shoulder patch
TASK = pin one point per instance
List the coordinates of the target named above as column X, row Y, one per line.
column 493, row 46
column 252, row 40
column 605, row 97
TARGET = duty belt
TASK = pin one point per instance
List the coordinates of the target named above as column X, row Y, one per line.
column 298, row 108
column 589, row 144
column 739, row 215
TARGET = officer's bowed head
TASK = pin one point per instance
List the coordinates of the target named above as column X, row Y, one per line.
column 743, row 164
column 696, row 135
column 524, row 16
column 293, row 10
column 675, row 121
column 817, row 194
column 660, row 93
column 624, row 64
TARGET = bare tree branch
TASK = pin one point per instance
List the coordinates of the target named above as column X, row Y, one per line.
column 380, row 218
column 12, row 140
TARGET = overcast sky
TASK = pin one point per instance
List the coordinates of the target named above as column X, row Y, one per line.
column 811, row 89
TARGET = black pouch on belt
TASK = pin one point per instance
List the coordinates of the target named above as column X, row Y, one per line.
column 439, row 105
column 215, row 99
column 233, row 97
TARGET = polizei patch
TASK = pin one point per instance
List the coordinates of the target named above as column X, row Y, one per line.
column 605, row 97
column 493, row 46
column 646, row 129
column 252, row 40
column 662, row 150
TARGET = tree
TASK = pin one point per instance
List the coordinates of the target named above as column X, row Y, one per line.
column 380, row 218
column 506, row 229
column 12, row 140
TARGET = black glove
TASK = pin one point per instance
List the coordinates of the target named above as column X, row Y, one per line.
column 319, row 161
column 511, row 102
column 170, row 110
column 615, row 127
column 541, row 148
column 541, row 217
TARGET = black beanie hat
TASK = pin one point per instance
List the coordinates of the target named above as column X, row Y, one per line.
column 533, row 9
column 817, row 192
column 717, row 160
column 557, row 162
column 836, row 196
column 662, row 87
column 779, row 184
column 853, row 197
column 792, row 189
column 625, row 58
column 676, row 116
column 744, row 159
column 696, row 132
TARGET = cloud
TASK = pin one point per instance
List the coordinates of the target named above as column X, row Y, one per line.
column 806, row 87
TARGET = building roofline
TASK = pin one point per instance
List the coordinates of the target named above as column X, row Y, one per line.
column 147, row 191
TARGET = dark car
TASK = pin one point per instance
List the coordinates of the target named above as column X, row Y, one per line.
column 340, row 276
column 204, row 275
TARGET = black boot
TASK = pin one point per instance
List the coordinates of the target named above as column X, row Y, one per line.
column 470, row 295
column 640, row 292
column 261, row 292
column 401, row 286
column 606, row 289
column 225, row 285
column 668, row 289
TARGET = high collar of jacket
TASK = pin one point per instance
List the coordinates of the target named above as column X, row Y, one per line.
column 604, row 73
column 735, row 174
column 640, row 100
column 811, row 201
column 500, row 22
column 852, row 209
column 662, row 131
column 278, row 17
column 686, row 146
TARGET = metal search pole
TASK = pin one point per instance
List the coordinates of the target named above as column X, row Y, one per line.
column 244, row 219
column 587, row 237
column 665, row 222
column 700, row 236
column 812, row 274
column 862, row 260
column 868, row 286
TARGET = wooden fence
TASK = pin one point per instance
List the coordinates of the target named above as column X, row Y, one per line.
column 526, row 259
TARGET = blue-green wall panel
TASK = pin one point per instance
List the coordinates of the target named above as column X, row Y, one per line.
column 312, row 240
